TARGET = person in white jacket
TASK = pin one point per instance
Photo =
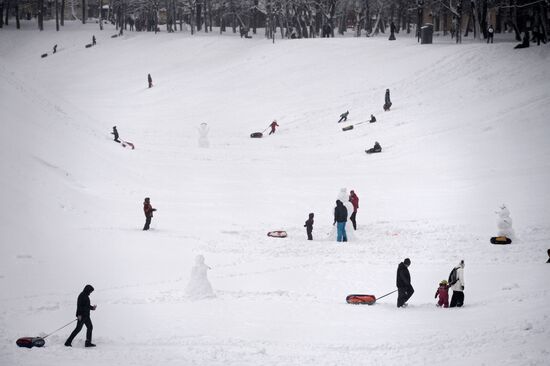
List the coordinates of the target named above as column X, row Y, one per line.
column 458, row 287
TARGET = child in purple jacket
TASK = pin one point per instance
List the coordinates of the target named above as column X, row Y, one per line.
column 443, row 293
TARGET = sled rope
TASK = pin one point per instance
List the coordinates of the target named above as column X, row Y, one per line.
column 66, row 325
column 389, row 293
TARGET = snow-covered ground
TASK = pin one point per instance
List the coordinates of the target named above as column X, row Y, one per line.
column 468, row 131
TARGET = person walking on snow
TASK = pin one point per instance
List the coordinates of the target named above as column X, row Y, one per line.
column 340, row 219
column 148, row 210
column 83, row 309
column 273, row 125
column 457, row 300
column 115, row 133
column 403, row 283
column 150, row 80
column 344, row 117
column 443, row 293
column 548, row 252
column 355, row 202
column 387, row 101
column 93, row 40
column 309, row 227
column 490, row 34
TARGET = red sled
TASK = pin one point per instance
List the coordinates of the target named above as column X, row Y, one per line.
column 361, row 299
column 30, row 342
column 277, row 234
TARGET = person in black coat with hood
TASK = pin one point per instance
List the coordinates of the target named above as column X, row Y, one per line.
column 83, row 309
column 309, row 227
column 403, row 283
column 387, row 100
column 115, row 133
column 340, row 219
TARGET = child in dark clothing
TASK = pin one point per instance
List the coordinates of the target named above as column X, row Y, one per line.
column 309, row 227
column 443, row 293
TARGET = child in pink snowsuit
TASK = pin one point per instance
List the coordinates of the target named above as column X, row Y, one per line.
column 443, row 293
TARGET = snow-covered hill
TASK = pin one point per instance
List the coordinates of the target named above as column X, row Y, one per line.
column 468, row 131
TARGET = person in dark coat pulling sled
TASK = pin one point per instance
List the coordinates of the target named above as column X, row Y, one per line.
column 83, row 309
column 403, row 283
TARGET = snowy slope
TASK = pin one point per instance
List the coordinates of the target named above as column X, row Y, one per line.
column 468, row 131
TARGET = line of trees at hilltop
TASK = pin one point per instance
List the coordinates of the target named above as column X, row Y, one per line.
column 289, row 18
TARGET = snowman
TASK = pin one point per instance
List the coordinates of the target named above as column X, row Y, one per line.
column 344, row 197
column 504, row 223
column 203, row 135
column 199, row 287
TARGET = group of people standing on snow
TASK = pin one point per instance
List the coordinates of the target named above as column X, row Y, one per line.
column 340, row 218
column 455, row 282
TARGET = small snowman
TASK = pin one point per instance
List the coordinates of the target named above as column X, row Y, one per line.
column 504, row 223
column 203, row 135
column 199, row 287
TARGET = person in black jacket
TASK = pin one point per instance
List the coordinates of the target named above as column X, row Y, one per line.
column 340, row 219
column 148, row 211
column 115, row 133
column 150, row 80
column 376, row 149
column 83, row 308
column 403, row 283
column 309, row 227
column 548, row 261
column 387, row 100
column 344, row 116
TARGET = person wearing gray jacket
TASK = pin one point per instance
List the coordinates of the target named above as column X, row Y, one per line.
column 457, row 300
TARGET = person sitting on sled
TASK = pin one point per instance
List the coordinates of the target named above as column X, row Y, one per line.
column 376, row 149
column 273, row 125
column 372, row 118
column 443, row 293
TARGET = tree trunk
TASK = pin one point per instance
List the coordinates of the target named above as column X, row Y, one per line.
column 204, row 5
column 343, row 21
column 40, row 15
column 198, row 14
column 57, row 15
column 62, row 16
column 100, row 15
column 483, row 18
column 1, row 12
column 7, row 11
column 543, row 26
column 83, row 11
column 17, row 22
column 514, row 19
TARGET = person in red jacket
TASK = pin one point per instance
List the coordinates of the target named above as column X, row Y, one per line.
column 355, row 202
column 148, row 210
column 443, row 293
column 273, row 125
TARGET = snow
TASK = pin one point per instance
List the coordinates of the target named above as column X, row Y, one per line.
column 467, row 132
